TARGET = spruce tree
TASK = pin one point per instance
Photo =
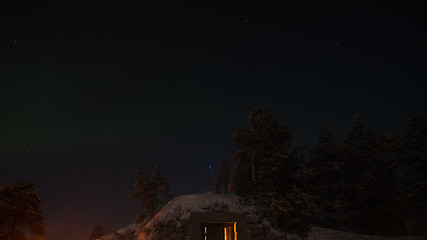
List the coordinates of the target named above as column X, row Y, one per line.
column 151, row 193
column 264, row 153
column 324, row 176
column 414, row 161
column 269, row 171
column 162, row 185
column 146, row 193
column 371, row 201
column 20, row 211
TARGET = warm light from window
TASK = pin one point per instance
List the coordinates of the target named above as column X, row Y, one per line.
column 229, row 232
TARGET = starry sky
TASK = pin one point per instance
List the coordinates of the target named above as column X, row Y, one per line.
column 92, row 91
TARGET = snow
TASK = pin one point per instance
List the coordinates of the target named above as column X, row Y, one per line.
column 133, row 228
column 181, row 207
column 318, row 233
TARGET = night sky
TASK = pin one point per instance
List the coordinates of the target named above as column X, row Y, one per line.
column 92, row 91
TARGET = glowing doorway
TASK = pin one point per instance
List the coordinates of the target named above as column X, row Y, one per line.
column 219, row 231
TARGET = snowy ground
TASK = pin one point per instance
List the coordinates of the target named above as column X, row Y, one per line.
column 329, row 234
column 317, row 234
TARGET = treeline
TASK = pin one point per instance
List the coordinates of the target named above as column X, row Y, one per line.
column 371, row 183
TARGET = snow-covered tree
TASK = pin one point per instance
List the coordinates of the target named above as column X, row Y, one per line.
column 20, row 211
column 269, row 169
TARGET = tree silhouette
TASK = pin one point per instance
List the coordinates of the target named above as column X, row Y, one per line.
column 371, row 201
column 20, row 211
column 162, row 185
column 151, row 193
column 146, row 193
column 414, row 161
column 324, row 176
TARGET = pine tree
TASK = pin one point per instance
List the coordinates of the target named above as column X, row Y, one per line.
column 146, row 193
column 414, row 161
column 324, row 176
column 20, row 211
column 264, row 151
column 371, row 200
column 162, row 185
column 269, row 170
column 96, row 233
column 151, row 193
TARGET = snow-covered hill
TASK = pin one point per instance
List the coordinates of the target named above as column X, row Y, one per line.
column 174, row 222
